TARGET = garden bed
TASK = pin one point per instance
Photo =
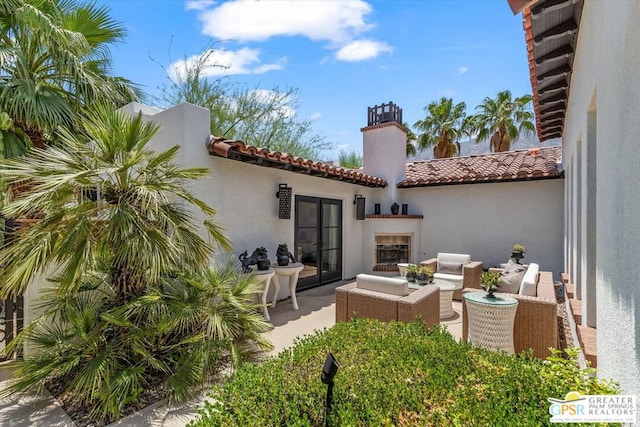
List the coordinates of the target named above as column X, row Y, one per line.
column 395, row 374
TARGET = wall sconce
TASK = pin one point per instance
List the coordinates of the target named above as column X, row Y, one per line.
column 284, row 205
column 359, row 202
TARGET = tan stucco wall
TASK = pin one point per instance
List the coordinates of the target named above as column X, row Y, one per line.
column 604, row 107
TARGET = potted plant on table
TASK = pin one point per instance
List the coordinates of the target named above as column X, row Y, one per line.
column 517, row 252
column 425, row 274
column 412, row 272
column 490, row 282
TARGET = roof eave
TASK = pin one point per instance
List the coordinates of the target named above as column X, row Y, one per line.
column 239, row 151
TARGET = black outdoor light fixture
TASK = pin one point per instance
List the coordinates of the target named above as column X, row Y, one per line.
column 284, row 205
column 359, row 202
column 329, row 370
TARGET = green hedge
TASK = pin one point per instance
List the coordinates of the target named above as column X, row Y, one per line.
column 395, row 374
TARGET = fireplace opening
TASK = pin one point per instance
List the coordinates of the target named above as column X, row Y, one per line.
column 391, row 250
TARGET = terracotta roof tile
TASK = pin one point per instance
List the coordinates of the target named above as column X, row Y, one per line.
column 537, row 163
column 238, row 150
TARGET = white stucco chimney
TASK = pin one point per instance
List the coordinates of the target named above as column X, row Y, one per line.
column 384, row 147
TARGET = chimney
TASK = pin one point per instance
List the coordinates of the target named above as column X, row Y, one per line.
column 384, row 146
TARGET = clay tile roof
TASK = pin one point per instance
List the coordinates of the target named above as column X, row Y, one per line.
column 522, row 165
column 238, row 150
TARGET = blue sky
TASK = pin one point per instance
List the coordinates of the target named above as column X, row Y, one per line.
column 342, row 56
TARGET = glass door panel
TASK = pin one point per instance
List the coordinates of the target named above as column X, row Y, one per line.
column 318, row 233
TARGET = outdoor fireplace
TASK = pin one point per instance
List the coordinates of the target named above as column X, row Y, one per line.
column 392, row 249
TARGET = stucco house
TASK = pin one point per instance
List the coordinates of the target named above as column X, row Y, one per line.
column 480, row 205
column 338, row 222
column 584, row 61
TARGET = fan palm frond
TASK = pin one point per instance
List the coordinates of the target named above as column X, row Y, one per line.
column 442, row 127
column 502, row 119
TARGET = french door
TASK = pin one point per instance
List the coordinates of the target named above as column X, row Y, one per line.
column 318, row 240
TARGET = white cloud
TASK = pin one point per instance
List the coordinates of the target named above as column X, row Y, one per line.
column 315, row 116
column 342, row 147
column 360, row 50
column 199, row 4
column 227, row 62
column 462, row 70
column 340, row 23
column 253, row 20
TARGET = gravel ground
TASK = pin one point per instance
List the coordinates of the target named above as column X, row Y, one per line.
column 80, row 413
column 564, row 327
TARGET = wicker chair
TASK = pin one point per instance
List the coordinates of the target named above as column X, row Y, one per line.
column 536, row 322
column 469, row 277
column 360, row 299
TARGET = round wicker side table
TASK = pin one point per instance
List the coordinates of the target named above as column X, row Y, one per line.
column 491, row 320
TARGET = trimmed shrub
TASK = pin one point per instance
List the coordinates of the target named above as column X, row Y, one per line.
column 395, row 374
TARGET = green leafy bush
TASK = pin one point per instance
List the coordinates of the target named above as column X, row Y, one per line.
column 395, row 374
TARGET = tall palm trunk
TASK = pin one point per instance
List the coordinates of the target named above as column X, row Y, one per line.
column 446, row 149
column 500, row 142
column 35, row 135
column 128, row 283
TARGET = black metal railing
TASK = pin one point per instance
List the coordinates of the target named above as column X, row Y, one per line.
column 384, row 113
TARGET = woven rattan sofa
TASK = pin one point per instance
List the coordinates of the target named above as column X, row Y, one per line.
column 467, row 275
column 536, row 322
column 386, row 299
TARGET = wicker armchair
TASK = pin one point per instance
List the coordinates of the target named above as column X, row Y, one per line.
column 536, row 322
column 468, row 277
column 357, row 299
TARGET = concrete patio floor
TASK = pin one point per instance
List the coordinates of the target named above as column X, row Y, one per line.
column 316, row 312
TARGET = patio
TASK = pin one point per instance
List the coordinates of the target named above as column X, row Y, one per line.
column 316, row 312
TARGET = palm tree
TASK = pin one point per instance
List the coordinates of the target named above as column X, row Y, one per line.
column 503, row 120
column 13, row 142
column 139, row 196
column 175, row 337
column 54, row 60
column 442, row 127
column 133, row 303
column 411, row 139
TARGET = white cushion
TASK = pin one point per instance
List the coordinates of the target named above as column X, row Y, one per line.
column 387, row 285
column 450, row 268
column 453, row 278
column 510, row 282
column 529, row 284
column 457, row 258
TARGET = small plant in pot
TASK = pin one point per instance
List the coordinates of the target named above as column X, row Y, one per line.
column 517, row 252
column 490, row 282
column 425, row 274
column 412, row 272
